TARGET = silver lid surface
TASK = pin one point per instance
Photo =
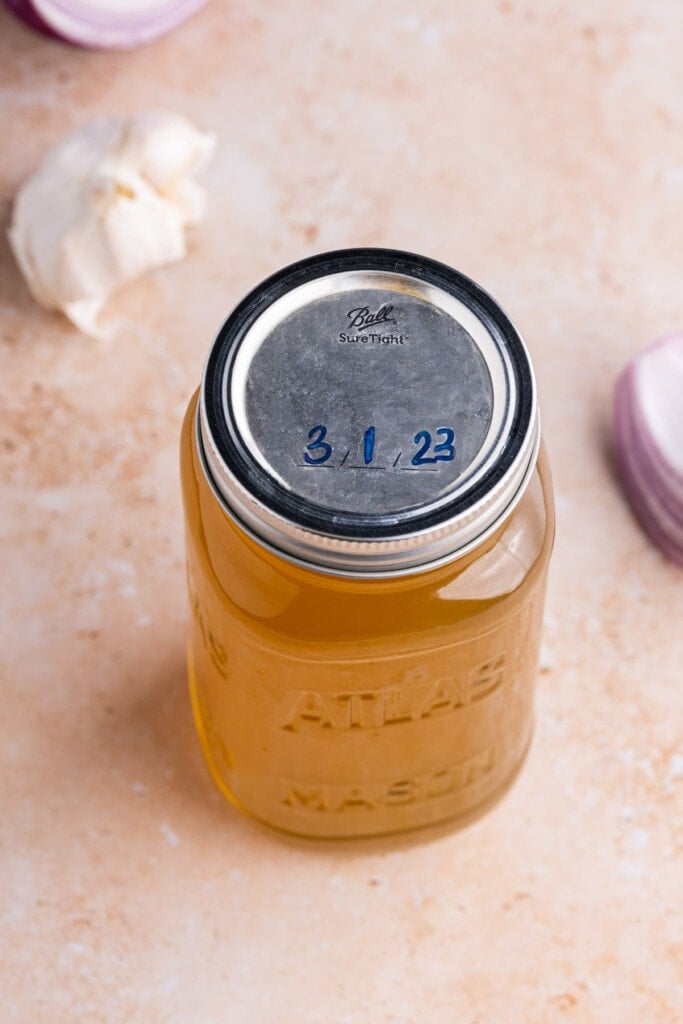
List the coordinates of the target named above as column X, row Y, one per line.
column 368, row 413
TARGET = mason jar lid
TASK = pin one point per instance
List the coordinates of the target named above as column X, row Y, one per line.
column 368, row 412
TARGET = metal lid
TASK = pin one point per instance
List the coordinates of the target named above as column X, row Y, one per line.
column 368, row 412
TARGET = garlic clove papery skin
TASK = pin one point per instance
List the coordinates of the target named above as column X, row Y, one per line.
column 107, row 205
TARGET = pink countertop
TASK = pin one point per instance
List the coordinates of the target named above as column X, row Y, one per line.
column 537, row 147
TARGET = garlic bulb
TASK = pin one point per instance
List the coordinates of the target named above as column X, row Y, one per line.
column 109, row 203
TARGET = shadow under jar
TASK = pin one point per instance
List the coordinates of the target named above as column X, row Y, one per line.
column 369, row 522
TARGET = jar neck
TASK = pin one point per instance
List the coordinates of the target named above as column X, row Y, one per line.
column 361, row 558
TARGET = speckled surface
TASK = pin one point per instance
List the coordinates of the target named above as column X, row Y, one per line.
column 537, row 147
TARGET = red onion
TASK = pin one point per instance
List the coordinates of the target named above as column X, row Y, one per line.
column 648, row 430
column 104, row 24
column 25, row 10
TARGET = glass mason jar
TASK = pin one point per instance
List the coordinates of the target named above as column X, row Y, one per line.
column 369, row 522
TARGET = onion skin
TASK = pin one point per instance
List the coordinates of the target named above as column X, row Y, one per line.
column 653, row 485
column 25, row 10
column 72, row 23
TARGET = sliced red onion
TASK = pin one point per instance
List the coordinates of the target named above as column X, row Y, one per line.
column 104, row 24
column 25, row 10
column 648, row 431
